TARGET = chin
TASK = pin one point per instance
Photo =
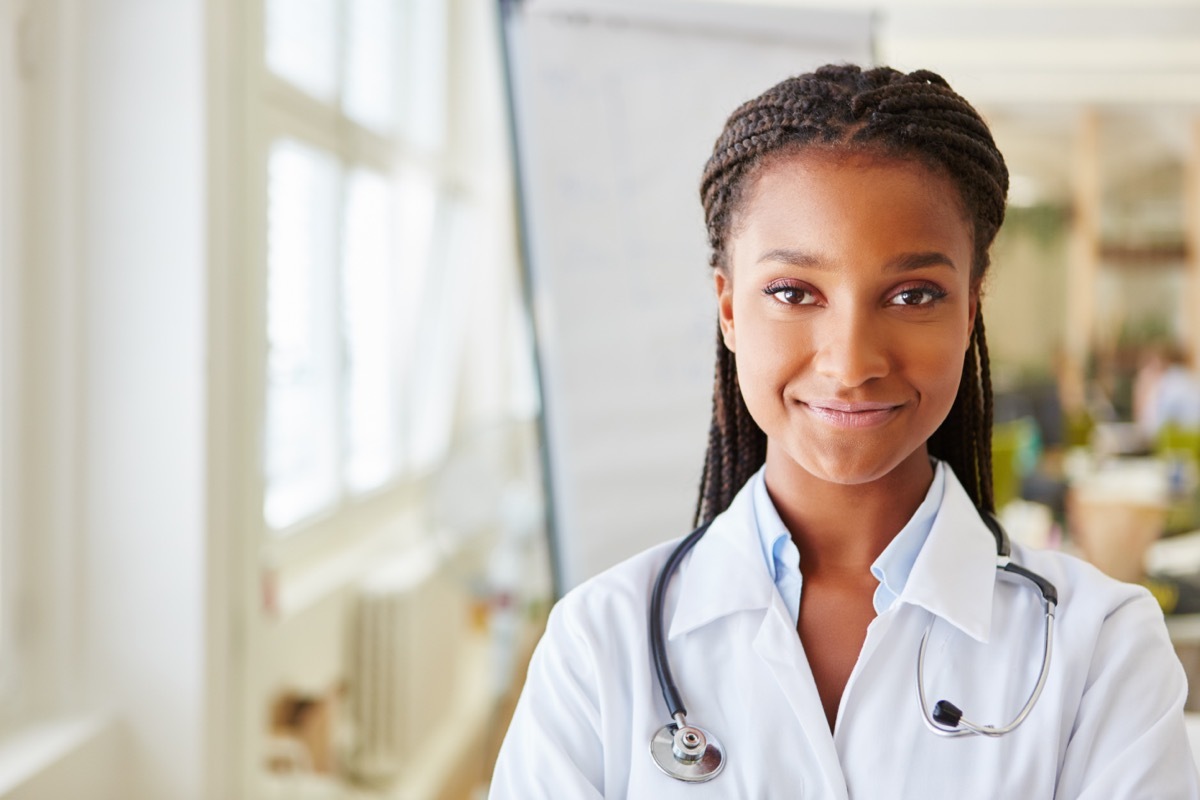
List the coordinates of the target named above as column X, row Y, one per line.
column 848, row 474
column 848, row 466
column 848, row 471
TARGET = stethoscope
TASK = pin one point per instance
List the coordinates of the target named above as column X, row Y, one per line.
column 692, row 754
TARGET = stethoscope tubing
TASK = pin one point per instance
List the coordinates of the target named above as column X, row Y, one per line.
column 970, row 728
column 658, row 640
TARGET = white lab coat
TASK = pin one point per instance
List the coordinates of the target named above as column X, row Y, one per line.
column 1109, row 724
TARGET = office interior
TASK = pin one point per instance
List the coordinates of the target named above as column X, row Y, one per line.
column 276, row 512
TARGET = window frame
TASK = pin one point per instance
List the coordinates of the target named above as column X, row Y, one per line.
column 40, row 369
column 12, row 117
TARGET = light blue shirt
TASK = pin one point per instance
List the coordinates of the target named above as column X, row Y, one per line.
column 891, row 569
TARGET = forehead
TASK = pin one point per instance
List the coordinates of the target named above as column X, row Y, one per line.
column 832, row 200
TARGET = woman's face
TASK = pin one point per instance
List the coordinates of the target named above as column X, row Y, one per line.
column 848, row 303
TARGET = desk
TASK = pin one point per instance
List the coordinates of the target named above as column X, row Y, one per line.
column 1177, row 555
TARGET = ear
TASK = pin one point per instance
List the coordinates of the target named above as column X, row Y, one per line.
column 972, row 313
column 724, row 288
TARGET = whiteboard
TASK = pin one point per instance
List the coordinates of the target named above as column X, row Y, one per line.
column 616, row 108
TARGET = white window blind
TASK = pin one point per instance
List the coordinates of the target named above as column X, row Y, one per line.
column 302, row 368
column 369, row 294
column 373, row 64
column 302, row 44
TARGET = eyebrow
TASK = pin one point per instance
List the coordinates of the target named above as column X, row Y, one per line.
column 905, row 262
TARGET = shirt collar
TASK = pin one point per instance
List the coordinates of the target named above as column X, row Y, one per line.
column 952, row 575
column 894, row 565
column 773, row 535
column 891, row 568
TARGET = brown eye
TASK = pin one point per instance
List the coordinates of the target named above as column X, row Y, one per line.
column 917, row 296
column 791, row 295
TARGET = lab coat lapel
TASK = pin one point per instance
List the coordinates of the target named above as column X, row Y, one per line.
column 726, row 574
column 778, row 645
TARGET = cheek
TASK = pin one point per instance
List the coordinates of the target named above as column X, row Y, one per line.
column 937, row 366
column 763, row 367
column 770, row 358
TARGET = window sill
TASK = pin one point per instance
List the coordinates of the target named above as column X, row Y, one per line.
column 75, row 757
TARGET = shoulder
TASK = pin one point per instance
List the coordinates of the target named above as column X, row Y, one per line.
column 587, row 678
column 621, row 593
column 1120, row 687
column 630, row 581
column 617, row 598
column 1107, row 630
column 1096, row 612
column 1086, row 592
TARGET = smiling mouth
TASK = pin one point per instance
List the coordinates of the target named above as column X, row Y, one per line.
column 852, row 415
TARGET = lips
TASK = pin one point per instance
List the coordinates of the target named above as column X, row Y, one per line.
column 842, row 414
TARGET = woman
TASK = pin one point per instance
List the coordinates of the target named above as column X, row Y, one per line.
column 848, row 472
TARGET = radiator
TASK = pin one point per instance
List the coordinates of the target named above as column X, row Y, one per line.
column 409, row 620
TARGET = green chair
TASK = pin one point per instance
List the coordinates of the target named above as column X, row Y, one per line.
column 1174, row 443
column 1015, row 449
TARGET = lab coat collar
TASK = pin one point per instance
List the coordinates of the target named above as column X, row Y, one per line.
column 953, row 576
column 726, row 572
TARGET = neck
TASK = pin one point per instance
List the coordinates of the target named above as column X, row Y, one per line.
column 840, row 528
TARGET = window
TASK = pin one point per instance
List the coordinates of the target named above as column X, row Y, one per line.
column 354, row 156
column 375, row 308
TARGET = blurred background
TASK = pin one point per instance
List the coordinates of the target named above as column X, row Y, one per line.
column 339, row 337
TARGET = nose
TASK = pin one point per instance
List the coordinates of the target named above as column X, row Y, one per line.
column 853, row 349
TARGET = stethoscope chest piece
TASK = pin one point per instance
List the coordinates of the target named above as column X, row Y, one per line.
column 687, row 753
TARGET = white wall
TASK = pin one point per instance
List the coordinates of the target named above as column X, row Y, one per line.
column 142, row 256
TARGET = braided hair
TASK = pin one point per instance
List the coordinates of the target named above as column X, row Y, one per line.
column 881, row 112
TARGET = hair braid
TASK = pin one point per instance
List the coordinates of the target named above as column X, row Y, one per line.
column 737, row 446
column 879, row 111
column 983, row 445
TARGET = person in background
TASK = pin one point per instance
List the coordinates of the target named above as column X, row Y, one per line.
column 1166, row 392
